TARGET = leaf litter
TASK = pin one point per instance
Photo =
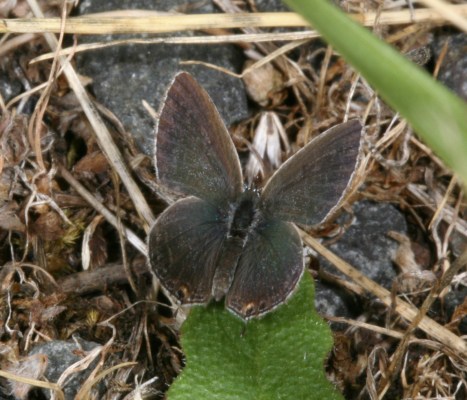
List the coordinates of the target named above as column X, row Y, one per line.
column 65, row 212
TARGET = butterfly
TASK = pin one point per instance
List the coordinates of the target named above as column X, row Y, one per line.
column 224, row 241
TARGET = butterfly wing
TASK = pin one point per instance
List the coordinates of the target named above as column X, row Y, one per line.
column 310, row 184
column 268, row 270
column 194, row 154
column 184, row 246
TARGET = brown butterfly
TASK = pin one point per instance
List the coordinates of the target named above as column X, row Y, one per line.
column 224, row 241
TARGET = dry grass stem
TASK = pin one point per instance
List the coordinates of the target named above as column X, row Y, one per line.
column 34, row 382
column 443, row 203
column 406, row 310
column 448, row 213
column 84, row 391
column 15, row 42
column 99, row 207
column 447, row 11
column 97, row 24
column 396, row 359
column 103, row 135
column 66, row 268
column 365, row 325
column 188, row 40
column 258, row 64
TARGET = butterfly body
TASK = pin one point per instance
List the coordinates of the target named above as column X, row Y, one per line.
column 224, row 242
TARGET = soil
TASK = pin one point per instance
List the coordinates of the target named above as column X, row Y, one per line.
column 77, row 280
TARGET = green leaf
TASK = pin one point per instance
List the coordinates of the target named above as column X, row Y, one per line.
column 279, row 356
column 436, row 114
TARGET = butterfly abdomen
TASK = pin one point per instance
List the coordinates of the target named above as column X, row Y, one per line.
column 240, row 220
column 242, row 214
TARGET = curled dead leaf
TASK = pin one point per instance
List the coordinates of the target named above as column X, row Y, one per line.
column 264, row 84
column 49, row 226
column 9, row 218
column 93, row 163
column 94, row 248
column 32, row 367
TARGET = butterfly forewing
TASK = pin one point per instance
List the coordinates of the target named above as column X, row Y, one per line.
column 310, row 184
column 194, row 154
column 184, row 246
column 268, row 270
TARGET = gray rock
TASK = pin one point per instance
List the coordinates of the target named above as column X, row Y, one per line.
column 9, row 88
column 333, row 301
column 60, row 356
column 91, row 6
column 271, row 5
column 123, row 76
column 455, row 298
column 453, row 71
column 366, row 246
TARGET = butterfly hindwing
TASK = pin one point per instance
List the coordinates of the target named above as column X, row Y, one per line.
column 268, row 270
column 184, row 246
column 309, row 185
column 194, row 154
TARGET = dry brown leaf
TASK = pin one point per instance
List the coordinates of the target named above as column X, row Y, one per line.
column 49, row 226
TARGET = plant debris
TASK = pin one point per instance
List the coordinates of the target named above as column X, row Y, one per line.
column 72, row 260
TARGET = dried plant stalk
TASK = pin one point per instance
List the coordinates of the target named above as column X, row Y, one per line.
column 97, row 24
column 407, row 311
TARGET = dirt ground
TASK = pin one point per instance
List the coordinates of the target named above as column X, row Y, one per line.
column 73, row 225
